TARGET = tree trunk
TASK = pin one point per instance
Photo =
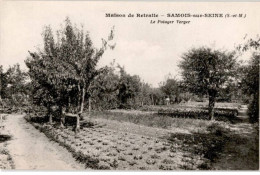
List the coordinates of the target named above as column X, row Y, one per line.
column 79, row 98
column 49, row 114
column 82, row 100
column 212, row 99
column 77, row 124
column 69, row 104
column 89, row 106
column 62, row 117
column 50, row 118
column 1, row 102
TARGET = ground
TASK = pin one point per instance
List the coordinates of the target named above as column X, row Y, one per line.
column 31, row 149
column 111, row 144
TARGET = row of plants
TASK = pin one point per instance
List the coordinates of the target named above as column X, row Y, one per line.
column 198, row 113
column 9, row 110
column 105, row 149
column 52, row 134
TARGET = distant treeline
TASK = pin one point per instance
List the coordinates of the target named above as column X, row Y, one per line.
column 64, row 74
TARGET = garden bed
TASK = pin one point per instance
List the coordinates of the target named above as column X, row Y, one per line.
column 102, row 148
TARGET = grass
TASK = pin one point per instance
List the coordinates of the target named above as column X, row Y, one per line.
column 215, row 144
column 152, row 120
column 208, row 145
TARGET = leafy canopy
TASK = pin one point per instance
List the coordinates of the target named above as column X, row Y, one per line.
column 205, row 70
column 66, row 66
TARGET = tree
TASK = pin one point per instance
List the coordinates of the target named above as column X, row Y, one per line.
column 129, row 89
column 146, row 96
column 13, row 86
column 157, row 96
column 171, row 89
column 250, row 83
column 105, row 89
column 250, row 76
column 3, row 84
column 206, row 71
column 65, row 68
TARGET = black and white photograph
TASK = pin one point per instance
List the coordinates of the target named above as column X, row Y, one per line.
column 129, row 85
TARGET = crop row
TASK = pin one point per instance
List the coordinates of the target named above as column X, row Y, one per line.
column 197, row 113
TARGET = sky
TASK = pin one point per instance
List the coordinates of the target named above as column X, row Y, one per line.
column 151, row 51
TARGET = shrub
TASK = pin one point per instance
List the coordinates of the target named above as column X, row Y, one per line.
column 253, row 110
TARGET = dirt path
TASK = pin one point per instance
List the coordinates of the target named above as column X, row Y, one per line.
column 241, row 154
column 31, row 149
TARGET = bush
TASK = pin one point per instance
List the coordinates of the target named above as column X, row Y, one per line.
column 253, row 110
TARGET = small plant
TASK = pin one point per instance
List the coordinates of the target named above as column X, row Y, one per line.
column 173, row 149
column 121, row 158
column 85, row 141
column 186, row 167
column 4, row 151
column 135, row 148
column 138, row 157
column 205, row 166
column 155, row 156
column 98, row 147
column 114, row 164
column 104, row 143
column 166, row 167
column 132, row 162
column 150, row 161
column 111, row 154
column 171, row 155
column 143, row 168
column 159, row 150
column 167, row 161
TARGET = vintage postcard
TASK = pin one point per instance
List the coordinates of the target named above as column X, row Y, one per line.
column 128, row 85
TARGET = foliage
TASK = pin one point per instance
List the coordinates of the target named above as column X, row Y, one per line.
column 14, row 86
column 206, row 71
column 3, row 83
column 250, row 77
column 105, row 90
column 114, row 88
column 129, row 89
column 172, row 90
column 250, row 85
column 156, row 96
column 64, row 69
